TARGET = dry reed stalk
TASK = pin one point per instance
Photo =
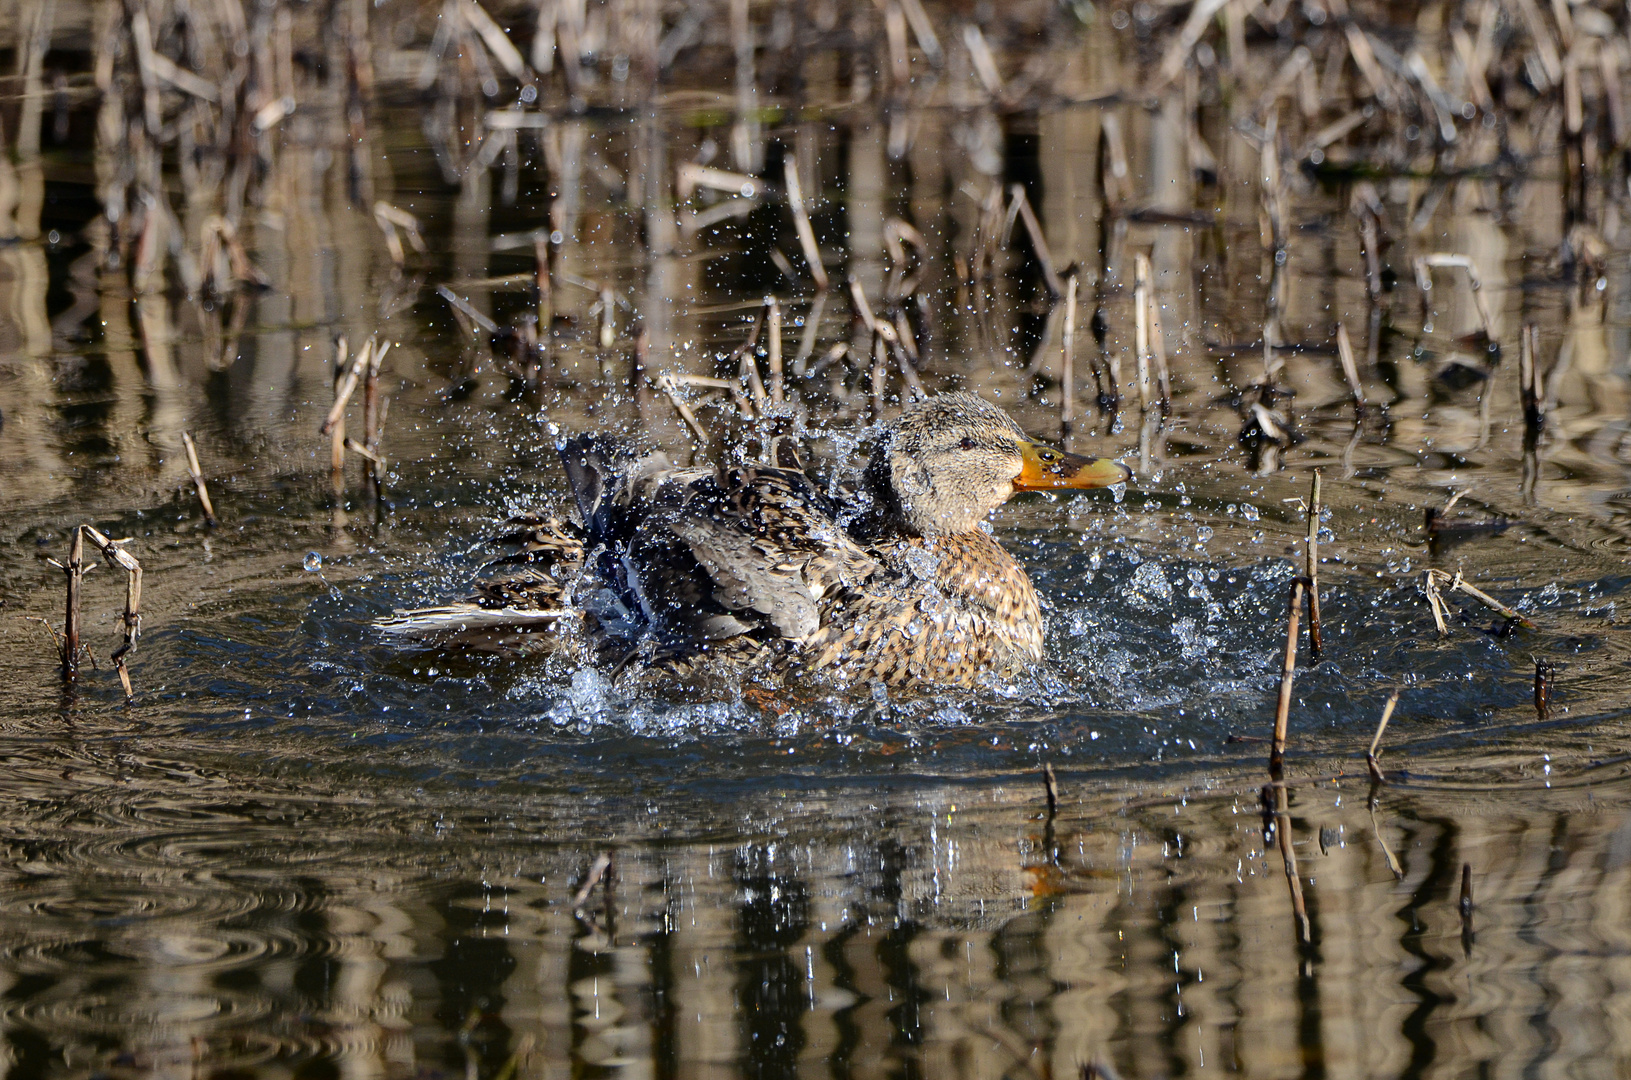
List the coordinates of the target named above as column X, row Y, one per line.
column 512, row 1064
column 1435, row 601
column 812, row 328
column 880, row 373
column 133, row 601
column 923, row 29
column 1115, row 178
column 1364, row 57
column 373, row 422
column 75, row 571
column 1370, row 242
column 748, row 372
column 1282, row 707
column 1534, row 414
column 1158, row 353
column 1350, row 369
column 1288, row 858
column 900, row 61
column 546, row 300
column 597, row 872
column 363, row 452
column 747, row 367
column 1619, row 125
column 469, row 316
column 863, row 310
column 801, row 224
column 908, row 371
column 1289, row 74
column 1067, row 373
column 897, row 234
column 665, row 383
column 698, row 220
column 345, row 381
column 1039, row 242
column 905, row 338
column 1393, row 863
column 838, row 352
column 1441, row 580
column 1336, row 131
column 1312, row 569
column 1371, row 754
column 1141, row 327
column 197, row 474
column 773, row 343
column 608, row 316
column 1449, row 260
column 690, row 176
column 985, row 65
column 390, row 220
column 1178, row 52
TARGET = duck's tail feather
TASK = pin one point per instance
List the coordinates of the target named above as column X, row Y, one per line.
column 472, row 624
column 592, row 465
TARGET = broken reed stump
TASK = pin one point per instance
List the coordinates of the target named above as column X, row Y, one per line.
column 801, row 224
column 197, row 474
column 1050, row 785
column 345, row 381
column 1312, row 570
column 1039, row 242
column 116, row 554
column 1350, row 370
column 1067, row 372
column 373, row 423
column 1534, row 411
column 1545, row 679
column 1288, row 858
column 1282, row 708
column 546, row 309
column 1450, row 260
column 665, row 383
column 608, row 316
column 75, row 570
column 1141, row 328
column 1436, row 582
column 773, row 343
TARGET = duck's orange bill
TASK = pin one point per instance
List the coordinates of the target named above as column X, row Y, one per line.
column 1047, row 468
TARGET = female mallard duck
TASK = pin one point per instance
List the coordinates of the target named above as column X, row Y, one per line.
column 688, row 567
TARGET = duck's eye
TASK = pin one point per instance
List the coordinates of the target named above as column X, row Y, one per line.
column 1046, row 455
column 967, row 443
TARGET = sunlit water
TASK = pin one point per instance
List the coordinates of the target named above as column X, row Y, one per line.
column 303, row 851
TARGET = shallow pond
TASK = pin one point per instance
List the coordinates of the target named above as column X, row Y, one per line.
column 301, row 850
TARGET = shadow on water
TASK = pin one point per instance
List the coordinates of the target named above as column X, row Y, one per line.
column 1314, row 236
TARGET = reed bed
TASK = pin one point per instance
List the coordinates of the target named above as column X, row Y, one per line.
column 724, row 113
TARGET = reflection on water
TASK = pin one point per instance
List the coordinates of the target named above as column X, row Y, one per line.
column 299, row 852
column 146, row 934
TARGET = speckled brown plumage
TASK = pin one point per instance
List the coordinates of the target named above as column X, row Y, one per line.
column 947, row 610
column 697, row 569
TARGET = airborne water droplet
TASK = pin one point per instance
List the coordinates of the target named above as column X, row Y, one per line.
column 313, row 561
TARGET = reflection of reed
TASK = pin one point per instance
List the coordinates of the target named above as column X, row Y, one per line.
column 1165, row 942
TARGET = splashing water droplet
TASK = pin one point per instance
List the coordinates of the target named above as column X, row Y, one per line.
column 313, row 561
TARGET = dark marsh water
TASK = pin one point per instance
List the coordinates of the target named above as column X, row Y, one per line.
column 301, row 852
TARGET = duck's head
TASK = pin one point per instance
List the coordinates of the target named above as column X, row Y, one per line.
column 949, row 460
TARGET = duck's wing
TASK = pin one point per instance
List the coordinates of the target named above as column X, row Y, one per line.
column 771, row 546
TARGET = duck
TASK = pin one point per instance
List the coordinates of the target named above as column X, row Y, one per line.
column 687, row 569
